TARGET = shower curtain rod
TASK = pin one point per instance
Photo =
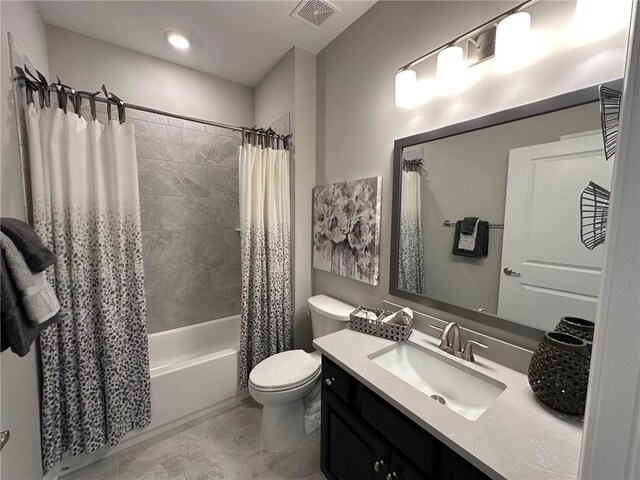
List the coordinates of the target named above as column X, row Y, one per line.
column 140, row 108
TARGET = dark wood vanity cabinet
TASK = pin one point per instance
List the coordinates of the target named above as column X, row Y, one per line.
column 365, row 438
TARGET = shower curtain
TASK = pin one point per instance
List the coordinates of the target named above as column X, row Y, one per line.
column 411, row 261
column 95, row 363
column 266, row 308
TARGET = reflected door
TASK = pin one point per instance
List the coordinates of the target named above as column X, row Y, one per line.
column 547, row 272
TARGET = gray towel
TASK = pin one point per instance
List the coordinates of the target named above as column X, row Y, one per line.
column 38, row 298
column 37, row 256
column 17, row 332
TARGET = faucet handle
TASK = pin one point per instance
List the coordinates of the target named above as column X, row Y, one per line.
column 467, row 354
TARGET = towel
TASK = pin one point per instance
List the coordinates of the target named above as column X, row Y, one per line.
column 38, row 298
column 37, row 256
column 17, row 331
column 401, row 317
column 481, row 248
column 468, row 241
column 469, row 224
column 368, row 314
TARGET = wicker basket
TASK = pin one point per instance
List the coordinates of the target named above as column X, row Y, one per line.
column 390, row 331
column 559, row 372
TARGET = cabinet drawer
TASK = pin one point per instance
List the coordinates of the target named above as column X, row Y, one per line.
column 401, row 433
column 336, row 380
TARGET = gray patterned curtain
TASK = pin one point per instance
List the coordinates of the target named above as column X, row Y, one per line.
column 266, row 309
column 411, row 261
column 95, row 363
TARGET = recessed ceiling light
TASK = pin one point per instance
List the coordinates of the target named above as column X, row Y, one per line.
column 177, row 40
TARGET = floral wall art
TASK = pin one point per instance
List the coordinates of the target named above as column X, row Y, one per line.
column 346, row 229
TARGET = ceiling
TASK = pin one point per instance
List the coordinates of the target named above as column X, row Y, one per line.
column 236, row 40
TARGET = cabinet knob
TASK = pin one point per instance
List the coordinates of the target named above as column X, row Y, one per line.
column 329, row 381
column 377, row 465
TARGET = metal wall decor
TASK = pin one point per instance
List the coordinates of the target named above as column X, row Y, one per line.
column 594, row 199
column 594, row 209
column 610, row 101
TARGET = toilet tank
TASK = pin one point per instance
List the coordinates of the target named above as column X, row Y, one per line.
column 328, row 314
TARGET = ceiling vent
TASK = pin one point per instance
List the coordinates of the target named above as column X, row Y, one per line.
column 314, row 13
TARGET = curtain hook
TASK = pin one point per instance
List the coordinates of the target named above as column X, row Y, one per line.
column 106, row 94
column 62, row 95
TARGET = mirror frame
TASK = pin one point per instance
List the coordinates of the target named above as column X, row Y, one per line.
column 548, row 105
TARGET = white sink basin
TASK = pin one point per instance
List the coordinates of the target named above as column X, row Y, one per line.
column 465, row 391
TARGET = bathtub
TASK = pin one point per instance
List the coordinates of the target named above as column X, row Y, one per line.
column 193, row 369
column 193, row 373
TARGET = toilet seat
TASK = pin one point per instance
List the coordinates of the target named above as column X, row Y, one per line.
column 285, row 371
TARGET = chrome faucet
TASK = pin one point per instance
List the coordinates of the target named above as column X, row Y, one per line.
column 452, row 345
column 446, row 344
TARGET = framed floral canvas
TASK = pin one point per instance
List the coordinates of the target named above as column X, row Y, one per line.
column 346, row 229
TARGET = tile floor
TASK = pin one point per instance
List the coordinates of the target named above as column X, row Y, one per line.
column 220, row 446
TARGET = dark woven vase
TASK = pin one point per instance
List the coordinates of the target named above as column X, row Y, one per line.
column 578, row 327
column 559, row 372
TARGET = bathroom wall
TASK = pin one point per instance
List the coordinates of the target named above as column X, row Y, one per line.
column 188, row 178
column 87, row 63
column 18, row 376
column 357, row 120
column 290, row 88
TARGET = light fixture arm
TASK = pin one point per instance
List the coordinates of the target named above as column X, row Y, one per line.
column 468, row 35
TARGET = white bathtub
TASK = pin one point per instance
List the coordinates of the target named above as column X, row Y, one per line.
column 193, row 372
column 193, row 369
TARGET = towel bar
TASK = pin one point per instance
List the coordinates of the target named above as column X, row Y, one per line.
column 447, row 223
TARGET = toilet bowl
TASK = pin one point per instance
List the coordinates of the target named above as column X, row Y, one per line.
column 281, row 382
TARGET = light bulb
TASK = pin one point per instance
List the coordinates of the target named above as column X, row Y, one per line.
column 451, row 70
column 595, row 19
column 513, row 41
column 177, row 40
column 406, row 88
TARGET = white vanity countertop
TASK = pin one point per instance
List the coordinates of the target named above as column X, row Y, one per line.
column 515, row 438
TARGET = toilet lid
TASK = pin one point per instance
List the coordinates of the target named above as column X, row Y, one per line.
column 285, row 370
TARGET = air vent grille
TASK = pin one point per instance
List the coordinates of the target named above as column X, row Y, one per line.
column 314, row 13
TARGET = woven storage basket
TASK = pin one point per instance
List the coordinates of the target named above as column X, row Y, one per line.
column 390, row 331
column 559, row 372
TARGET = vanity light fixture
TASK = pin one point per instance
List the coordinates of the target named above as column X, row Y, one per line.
column 481, row 45
column 450, row 69
column 177, row 40
column 406, row 88
column 513, row 36
column 597, row 19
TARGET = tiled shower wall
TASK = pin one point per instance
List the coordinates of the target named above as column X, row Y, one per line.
column 188, row 177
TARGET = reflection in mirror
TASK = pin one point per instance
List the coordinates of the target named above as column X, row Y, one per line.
column 490, row 219
column 411, row 260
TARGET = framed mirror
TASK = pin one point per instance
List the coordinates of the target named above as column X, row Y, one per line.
column 486, row 213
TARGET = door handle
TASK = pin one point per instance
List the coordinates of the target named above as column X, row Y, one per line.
column 511, row 273
column 392, row 476
column 377, row 465
column 4, row 438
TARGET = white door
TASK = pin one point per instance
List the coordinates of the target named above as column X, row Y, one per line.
column 553, row 273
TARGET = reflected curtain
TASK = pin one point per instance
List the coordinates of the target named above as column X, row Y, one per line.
column 411, row 261
column 266, row 307
column 95, row 363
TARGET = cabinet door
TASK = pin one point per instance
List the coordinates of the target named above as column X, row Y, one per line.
column 455, row 467
column 402, row 469
column 350, row 450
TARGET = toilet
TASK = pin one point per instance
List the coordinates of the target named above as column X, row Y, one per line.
column 281, row 382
